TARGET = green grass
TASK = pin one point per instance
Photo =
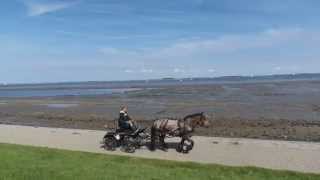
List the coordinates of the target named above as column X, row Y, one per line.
column 24, row 162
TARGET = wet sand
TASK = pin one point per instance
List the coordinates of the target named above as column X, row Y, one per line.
column 295, row 156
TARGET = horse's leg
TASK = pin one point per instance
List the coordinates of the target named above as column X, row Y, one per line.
column 163, row 143
column 190, row 143
column 180, row 145
column 153, row 139
column 183, row 147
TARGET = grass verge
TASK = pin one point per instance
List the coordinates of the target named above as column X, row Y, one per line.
column 24, row 163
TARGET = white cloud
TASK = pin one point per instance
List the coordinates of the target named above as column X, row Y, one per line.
column 211, row 70
column 232, row 43
column 36, row 8
column 275, row 50
column 110, row 50
column 277, row 68
column 146, row 70
column 120, row 53
column 128, row 71
column 286, row 69
column 178, row 70
column 227, row 44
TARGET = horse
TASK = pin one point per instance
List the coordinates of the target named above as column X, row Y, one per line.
column 177, row 128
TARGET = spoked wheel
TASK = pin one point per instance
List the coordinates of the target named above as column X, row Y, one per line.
column 128, row 145
column 185, row 146
column 110, row 143
column 139, row 142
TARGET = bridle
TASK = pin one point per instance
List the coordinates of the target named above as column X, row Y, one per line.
column 200, row 121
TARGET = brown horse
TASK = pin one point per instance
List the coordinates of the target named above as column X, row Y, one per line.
column 177, row 128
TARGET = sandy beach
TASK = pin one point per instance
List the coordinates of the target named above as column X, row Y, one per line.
column 284, row 155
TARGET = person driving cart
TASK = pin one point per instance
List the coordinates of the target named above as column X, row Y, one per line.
column 127, row 135
column 125, row 122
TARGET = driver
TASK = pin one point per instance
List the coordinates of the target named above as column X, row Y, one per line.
column 124, row 121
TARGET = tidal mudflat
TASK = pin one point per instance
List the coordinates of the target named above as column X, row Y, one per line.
column 288, row 110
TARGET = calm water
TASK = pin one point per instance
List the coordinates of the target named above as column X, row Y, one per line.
column 60, row 92
column 103, row 88
column 62, row 106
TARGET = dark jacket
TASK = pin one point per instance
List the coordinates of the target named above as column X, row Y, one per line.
column 124, row 119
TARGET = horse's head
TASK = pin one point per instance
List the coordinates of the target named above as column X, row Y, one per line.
column 199, row 119
column 204, row 120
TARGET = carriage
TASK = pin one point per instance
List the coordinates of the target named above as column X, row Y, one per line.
column 129, row 141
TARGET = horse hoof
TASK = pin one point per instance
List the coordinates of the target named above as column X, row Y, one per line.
column 164, row 149
column 185, row 152
column 179, row 148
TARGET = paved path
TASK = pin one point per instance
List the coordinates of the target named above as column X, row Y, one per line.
column 297, row 156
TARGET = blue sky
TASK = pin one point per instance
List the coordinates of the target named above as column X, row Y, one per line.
column 84, row 40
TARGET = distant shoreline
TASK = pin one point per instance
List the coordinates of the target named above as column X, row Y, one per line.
column 224, row 79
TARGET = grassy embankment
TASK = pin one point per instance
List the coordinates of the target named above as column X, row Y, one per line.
column 23, row 162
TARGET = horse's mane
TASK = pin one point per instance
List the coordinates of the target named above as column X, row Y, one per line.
column 179, row 119
column 193, row 115
column 171, row 118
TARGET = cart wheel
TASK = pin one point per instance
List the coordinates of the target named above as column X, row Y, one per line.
column 139, row 142
column 128, row 145
column 179, row 148
column 110, row 143
column 185, row 146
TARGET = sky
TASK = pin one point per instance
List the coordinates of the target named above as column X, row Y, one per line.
column 104, row 40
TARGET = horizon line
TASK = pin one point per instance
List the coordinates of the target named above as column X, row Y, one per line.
column 163, row 78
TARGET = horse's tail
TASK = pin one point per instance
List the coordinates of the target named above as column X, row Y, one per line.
column 153, row 138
